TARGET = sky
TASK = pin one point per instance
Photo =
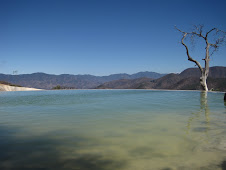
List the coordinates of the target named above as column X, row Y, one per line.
column 102, row 37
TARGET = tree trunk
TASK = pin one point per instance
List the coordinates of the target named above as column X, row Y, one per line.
column 205, row 71
column 203, row 82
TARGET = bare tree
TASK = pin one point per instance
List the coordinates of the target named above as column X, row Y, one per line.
column 217, row 37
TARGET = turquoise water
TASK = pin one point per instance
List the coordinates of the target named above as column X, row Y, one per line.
column 112, row 130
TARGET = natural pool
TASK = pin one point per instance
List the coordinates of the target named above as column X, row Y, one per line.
column 112, row 130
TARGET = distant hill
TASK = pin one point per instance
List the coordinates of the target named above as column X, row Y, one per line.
column 48, row 81
column 215, row 72
column 125, row 83
column 186, row 80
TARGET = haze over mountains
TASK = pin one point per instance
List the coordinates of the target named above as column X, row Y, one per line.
column 186, row 80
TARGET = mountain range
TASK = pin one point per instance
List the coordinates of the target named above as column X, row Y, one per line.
column 186, row 80
column 49, row 81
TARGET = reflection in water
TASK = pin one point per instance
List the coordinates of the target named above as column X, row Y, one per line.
column 196, row 116
column 204, row 107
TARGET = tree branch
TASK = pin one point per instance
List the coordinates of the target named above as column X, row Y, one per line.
column 180, row 30
column 189, row 57
column 198, row 34
column 199, row 31
column 209, row 31
column 213, row 45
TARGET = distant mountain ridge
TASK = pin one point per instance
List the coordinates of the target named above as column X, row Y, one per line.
column 48, row 81
column 215, row 72
column 125, row 83
column 186, row 80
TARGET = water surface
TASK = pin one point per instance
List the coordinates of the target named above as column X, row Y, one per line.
column 112, row 130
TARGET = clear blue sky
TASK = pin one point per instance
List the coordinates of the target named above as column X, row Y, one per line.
column 103, row 37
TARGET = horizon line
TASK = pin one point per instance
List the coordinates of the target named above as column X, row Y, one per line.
column 103, row 75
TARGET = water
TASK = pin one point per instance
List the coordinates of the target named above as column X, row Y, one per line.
column 112, row 130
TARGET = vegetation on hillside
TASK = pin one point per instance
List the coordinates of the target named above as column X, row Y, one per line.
column 58, row 87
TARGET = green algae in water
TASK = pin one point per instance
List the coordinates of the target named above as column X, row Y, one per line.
column 112, row 129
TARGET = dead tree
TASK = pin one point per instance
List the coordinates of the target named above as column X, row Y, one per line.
column 218, row 39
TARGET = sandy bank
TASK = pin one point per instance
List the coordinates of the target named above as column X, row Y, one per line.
column 14, row 88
